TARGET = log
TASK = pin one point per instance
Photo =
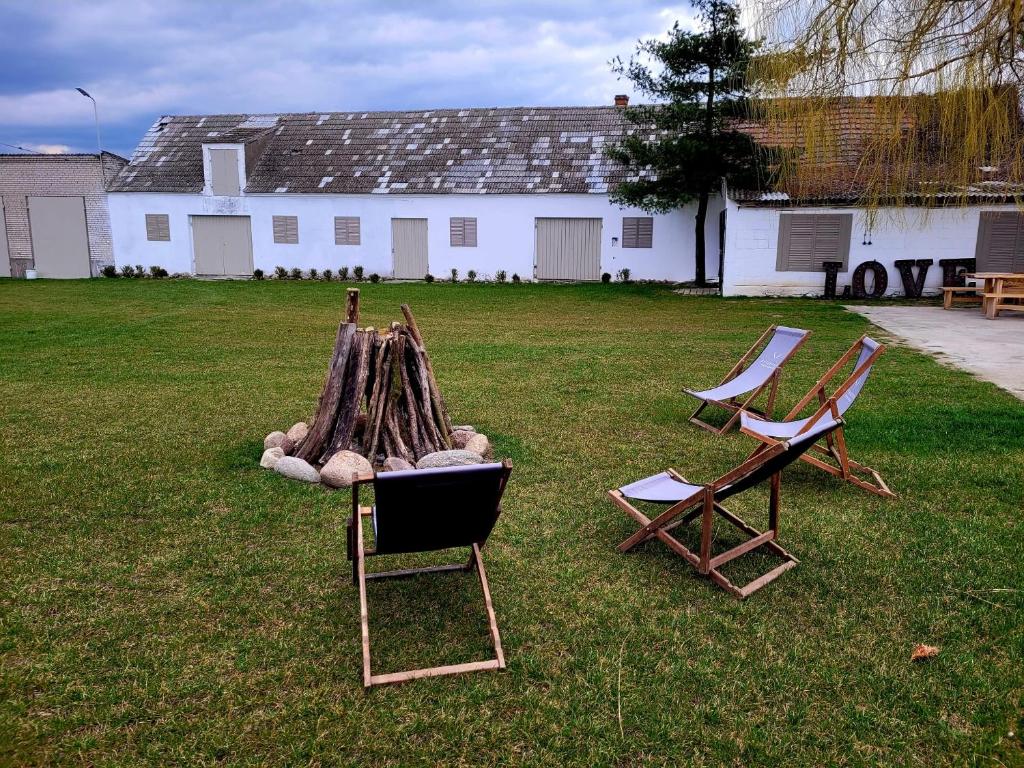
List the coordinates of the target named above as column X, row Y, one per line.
column 378, row 399
column 326, row 415
column 420, row 376
column 352, row 306
column 351, row 397
column 441, row 410
column 412, row 419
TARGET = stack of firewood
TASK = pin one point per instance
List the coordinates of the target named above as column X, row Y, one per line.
column 380, row 397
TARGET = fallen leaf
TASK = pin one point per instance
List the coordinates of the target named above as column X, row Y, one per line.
column 922, row 652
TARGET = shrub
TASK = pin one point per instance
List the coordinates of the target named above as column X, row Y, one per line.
column 327, row 275
column 471, row 275
column 515, row 277
column 343, row 274
column 501, row 276
column 313, row 274
column 623, row 275
column 109, row 271
column 606, row 278
column 280, row 273
column 357, row 273
column 296, row 273
column 374, row 277
column 257, row 274
column 428, row 277
column 127, row 270
column 455, row 275
column 140, row 271
column 157, row 272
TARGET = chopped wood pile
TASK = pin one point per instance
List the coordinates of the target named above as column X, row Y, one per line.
column 380, row 398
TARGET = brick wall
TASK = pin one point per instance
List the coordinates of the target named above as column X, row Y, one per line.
column 22, row 176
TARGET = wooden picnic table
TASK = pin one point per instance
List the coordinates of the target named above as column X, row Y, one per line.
column 1002, row 291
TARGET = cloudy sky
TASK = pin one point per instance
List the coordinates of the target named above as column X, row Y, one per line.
column 144, row 58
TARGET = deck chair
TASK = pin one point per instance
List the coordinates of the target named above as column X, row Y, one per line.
column 763, row 373
column 688, row 501
column 424, row 510
column 832, row 456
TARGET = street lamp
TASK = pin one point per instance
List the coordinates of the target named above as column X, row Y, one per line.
column 96, row 116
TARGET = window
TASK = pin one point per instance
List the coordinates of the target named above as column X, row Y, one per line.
column 158, row 226
column 286, row 230
column 346, row 230
column 637, row 231
column 224, row 171
column 463, row 232
column 1000, row 242
column 807, row 240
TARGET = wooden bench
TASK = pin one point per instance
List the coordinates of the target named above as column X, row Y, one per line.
column 995, row 302
column 960, row 294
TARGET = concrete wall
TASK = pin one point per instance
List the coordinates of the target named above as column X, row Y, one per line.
column 23, row 176
column 505, row 226
column 751, row 247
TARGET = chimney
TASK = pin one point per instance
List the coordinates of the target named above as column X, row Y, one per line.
column 621, row 100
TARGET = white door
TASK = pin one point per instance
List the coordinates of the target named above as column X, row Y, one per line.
column 568, row 249
column 60, row 241
column 222, row 245
column 409, row 248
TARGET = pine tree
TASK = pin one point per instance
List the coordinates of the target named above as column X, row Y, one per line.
column 696, row 93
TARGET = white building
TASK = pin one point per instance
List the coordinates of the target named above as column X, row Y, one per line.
column 520, row 190
column 401, row 194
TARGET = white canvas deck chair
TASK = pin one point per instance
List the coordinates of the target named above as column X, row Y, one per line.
column 832, row 457
column 751, row 380
column 423, row 510
column 688, row 501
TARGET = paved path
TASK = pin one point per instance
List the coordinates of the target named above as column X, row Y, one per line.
column 992, row 350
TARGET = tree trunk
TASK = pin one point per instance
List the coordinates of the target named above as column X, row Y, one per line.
column 700, row 276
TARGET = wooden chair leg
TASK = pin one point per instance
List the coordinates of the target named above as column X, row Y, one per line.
column 706, row 521
column 491, row 619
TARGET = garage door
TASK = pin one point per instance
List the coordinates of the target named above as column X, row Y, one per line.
column 568, row 249
column 60, row 243
column 409, row 248
column 1000, row 242
column 222, row 245
column 5, row 256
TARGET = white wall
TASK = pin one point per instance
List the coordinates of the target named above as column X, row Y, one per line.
column 505, row 227
column 752, row 235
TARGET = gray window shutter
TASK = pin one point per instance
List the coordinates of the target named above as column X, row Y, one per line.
column 158, row 226
column 807, row 240
column 1000, row 246
column 462, row 232
column 224, row 171
column 286, row 230
column 346, row 230
column 637, row 231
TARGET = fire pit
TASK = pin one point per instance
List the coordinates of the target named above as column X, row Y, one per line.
column 380, row 407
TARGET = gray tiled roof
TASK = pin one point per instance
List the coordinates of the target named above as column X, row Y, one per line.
column 499, row 150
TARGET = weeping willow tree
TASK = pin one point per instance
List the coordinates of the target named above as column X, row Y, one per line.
column 895, row 101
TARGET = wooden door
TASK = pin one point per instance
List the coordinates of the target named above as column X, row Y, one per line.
column 568, row 249
column 60, row 240
column 222, row 245
column 409, row 248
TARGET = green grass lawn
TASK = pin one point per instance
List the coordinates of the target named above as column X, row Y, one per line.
column 165, row 601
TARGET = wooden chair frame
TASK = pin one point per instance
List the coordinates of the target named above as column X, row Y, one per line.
column 358, row 554
column 704, row 505
column 732, row 404
column 834, row 450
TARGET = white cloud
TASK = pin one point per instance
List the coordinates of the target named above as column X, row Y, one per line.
column 49, row 149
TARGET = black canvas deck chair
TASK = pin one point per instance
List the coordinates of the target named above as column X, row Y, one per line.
column 749, row 381
column 424, row 510
column 832, row 457
column 688, row 502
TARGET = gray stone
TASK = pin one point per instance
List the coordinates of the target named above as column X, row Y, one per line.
column 274, row 439
column 455, row 458
column 342, row 468
column 460, row 437
column 464, row 428
column 298, row 432
column 396, row 464
column 479, row 444
column 270, row 457
column 297, row 469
